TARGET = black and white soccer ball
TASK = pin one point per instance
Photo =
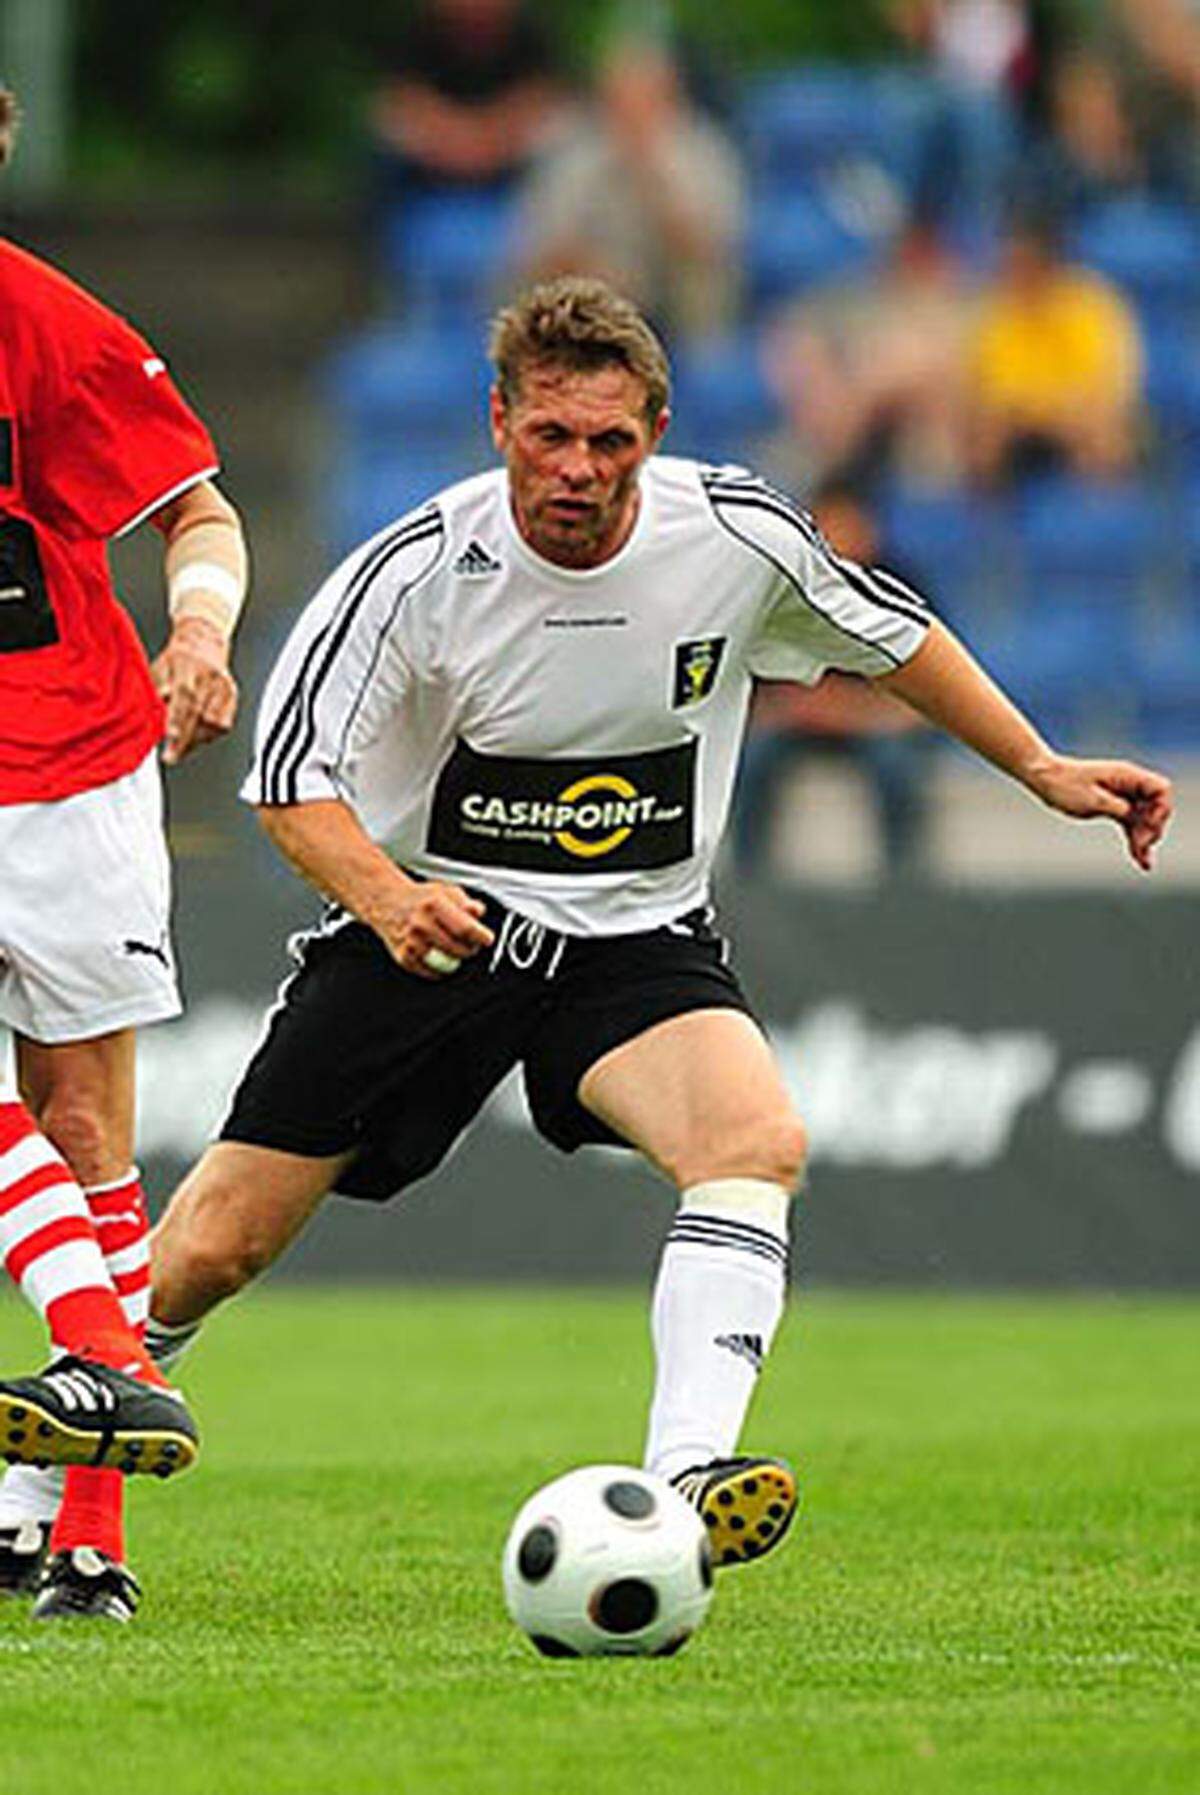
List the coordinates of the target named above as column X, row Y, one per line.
column 607, row 1560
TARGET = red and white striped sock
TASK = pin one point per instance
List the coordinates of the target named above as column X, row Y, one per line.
column 49, row 1248
column 122, row 1224
column 93, row 1505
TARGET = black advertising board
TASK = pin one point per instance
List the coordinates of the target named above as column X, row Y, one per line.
column 1000, row 1090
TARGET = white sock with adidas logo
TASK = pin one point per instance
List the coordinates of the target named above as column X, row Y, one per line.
column 717, row 1303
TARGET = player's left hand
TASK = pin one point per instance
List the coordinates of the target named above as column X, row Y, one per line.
column 1135, row 797
column 193, row 678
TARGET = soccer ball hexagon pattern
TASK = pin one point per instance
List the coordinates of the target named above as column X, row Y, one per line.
column 606, row 1561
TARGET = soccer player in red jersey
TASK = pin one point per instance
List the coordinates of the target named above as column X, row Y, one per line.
column 95, row 439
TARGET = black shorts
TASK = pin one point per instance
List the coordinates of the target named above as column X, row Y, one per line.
column 362, row 1057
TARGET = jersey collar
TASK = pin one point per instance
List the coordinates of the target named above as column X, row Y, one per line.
column 575, row 576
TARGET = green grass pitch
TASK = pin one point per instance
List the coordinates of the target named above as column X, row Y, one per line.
column 991, row 1591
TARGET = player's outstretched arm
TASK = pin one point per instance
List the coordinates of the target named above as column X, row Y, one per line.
column 206, row 573
column 325, row 842
column 946, row 684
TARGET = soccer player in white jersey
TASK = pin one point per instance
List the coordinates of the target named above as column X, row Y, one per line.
column 501, row 741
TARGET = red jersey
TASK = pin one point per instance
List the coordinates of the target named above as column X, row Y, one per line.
column 94, row 437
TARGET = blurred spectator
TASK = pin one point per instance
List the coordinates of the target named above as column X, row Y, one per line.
column 647, row 194
column 710, row 83
column 869, row 373
column 1164, row 38
column 1091, row 151
column 980, row 45
column 1055, row 366
column 842, row 715
column 982, row 57
column 1168, row 34
column 469, row 92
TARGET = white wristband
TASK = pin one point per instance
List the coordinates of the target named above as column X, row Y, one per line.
column 205, row 576
column 204, row 590
column 206, row 573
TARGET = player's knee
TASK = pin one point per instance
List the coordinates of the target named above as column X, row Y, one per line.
column 783, row 1146
column 205, row 1266
column 207, row 1246
column 79, row 1130
column 773, row 1147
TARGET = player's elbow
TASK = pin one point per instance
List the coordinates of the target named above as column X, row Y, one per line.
column 299, row 829
column 284, row 828
column 269, row 816
column 203, row 503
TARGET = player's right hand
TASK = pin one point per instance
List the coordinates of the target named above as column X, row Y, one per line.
column 193, row 679
column 436, row 921
column 1138, row 799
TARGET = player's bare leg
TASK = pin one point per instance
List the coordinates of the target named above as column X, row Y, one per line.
column 83, row 1096
column 231, row 1217
column 702, row 1098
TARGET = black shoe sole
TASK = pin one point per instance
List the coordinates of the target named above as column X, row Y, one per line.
column 71, row 1611
column 31, row 1435
column 747, row 1511
column 18, row 1592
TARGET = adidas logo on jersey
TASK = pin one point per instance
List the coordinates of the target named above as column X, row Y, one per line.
column 476, row 562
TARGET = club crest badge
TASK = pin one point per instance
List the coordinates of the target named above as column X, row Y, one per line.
column 696, row 667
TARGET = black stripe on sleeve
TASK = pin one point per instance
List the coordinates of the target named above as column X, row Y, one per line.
column 381, row 637
column 793, row 580
column 875, row 584
column 885, row 591
column 900, row 588
column 292, row 732
column 288, row 718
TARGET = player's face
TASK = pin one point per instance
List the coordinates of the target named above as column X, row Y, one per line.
column 573, row 444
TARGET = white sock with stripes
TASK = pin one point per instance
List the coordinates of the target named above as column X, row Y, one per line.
column 167, row 1344
column 717, row 1304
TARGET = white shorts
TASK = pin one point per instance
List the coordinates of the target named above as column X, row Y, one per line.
column 85, row 912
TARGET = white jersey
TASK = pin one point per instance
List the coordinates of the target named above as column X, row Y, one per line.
column 565, row 739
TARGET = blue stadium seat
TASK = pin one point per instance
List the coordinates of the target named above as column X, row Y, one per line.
column 1084, row 532
column 948, row 541
column 447, row 251
column 1067, row 661
column 721, row 402
column 1184, row 527
column 799, row 123
column 1149, row 248
column 409, row 380
column 794, row 242
column 1166, row 678
column 1173, row 388
column 371, row 486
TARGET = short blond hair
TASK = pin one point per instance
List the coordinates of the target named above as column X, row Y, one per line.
column 10, row 114
column 581, row 324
